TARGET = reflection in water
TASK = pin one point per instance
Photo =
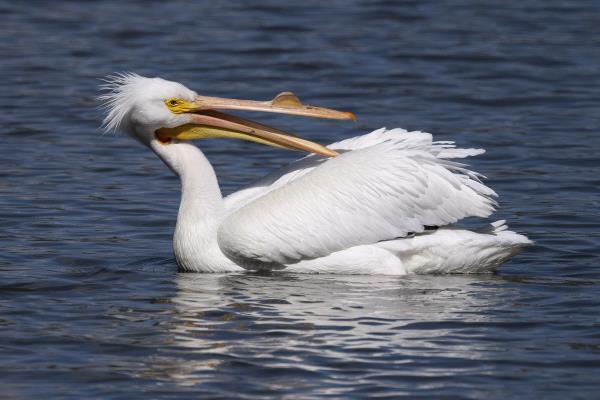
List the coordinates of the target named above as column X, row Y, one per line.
column 90, row 305
column 288, row 326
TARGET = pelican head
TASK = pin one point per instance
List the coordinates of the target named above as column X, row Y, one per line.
column 160, row 112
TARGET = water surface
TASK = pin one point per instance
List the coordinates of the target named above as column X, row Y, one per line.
column 91, row 305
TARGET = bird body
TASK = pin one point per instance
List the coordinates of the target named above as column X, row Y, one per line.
column 367, row 210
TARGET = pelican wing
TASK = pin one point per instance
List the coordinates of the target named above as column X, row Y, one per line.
column 382, row 186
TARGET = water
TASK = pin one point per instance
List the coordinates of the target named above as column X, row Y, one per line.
column 91, row 305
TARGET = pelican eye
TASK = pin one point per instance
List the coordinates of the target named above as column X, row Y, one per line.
column 176, row 106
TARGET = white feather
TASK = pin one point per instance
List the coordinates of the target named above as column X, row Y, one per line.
column 365, row 211
column 444, row 251
column 123, row 91
column 383, row 186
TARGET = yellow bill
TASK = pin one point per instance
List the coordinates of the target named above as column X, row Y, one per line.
column 205, row 122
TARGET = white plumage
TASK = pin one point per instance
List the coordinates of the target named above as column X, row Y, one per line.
column 385, row 185
column 365, row 211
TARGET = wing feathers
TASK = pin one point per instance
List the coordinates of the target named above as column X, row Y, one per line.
column 386, row 184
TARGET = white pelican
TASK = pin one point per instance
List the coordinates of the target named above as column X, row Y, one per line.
column 382, row 203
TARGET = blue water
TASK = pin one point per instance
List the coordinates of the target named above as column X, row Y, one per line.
column 91, row 305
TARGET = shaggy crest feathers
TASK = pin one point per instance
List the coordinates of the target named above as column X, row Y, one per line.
column 124, row 90
column 118, row 99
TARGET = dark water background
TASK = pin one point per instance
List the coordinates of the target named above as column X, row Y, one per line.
column 91, row 305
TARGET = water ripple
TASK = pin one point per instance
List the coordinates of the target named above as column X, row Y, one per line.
column 91, row 305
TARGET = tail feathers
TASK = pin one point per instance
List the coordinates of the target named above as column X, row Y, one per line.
column 498, row 226
column 449, row 250
column 500, row 229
